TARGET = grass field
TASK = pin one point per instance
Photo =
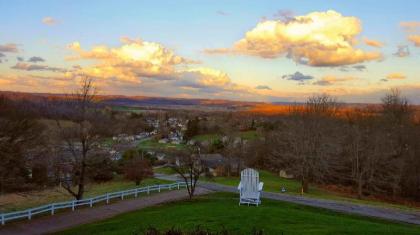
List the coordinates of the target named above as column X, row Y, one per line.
column 20, row 201
column 273, row 183
column 247, row 135
column 164, row 170
column 221, row 210
column 153, row 144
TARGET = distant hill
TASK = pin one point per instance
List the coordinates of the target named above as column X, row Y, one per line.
column 142, row 101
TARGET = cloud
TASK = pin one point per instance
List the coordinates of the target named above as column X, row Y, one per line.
column 410, row 26
column 10, row 47
column 20, row 59
column 415, row 39
column 133, row 60
column 332, row 80
column 222, row 13
column 360, row 67
column 35, row 59
column 402, row 51
column 36, row 67
column 49, row 21
column 316, row 39
column 284, row 15
column 396, row 76
column 373, row 43
column 262, row 87
column 149, row 66
column 297, row 76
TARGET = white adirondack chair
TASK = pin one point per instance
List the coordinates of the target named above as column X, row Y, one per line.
column 250, row 187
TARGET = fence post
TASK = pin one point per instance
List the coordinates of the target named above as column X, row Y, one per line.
column 136, row 192
column 72, row 205
column 52, row 208
column 2, row 219
column 122, row 196
column 170, row 187
column 159, row 188
column 178, row 185
column 91, row 202
column 29, row 215
column 148, row 189
column 107, row 198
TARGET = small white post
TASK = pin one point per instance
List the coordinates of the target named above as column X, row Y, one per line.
column 148, row 189
column 2, row 219
column 159, row 188
column 90, row 202
column 29, row 215
column 72, row 205
column 52, row 208
column 178, row 185
column 107, row 198
column 122, row 196
column 136, row 192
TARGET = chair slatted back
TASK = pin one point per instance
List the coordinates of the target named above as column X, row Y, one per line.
column 250, row 179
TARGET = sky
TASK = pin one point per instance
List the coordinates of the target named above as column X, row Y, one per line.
column 271, row 51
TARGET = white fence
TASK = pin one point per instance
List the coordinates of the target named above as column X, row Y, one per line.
column 52, row 208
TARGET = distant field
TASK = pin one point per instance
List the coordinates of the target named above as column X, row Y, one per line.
column 221, row 210
column 273, row 183
column 154, row 144
column 19, row 201
column 247, row 135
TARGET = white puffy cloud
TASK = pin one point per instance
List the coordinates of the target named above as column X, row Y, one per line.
column 317, row 39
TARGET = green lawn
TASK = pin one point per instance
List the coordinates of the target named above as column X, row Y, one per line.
column 152, row 144
column 248, row 135
column 164, row 170
column 207, row 137
column 221, row 210
column 20, row 201
column 273, row 183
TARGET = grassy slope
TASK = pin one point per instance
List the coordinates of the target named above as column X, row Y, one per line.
column 20, row 201
column 273, row 183
column 222, row 210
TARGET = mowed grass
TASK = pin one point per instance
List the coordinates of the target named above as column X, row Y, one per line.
column 273, row 183
column 221, row 210
column 164, row 170
column 25, row 200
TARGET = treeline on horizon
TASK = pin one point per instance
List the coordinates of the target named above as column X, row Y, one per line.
column 374, row 150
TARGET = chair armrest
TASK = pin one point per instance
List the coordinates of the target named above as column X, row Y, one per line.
column 260, row 186
column 240, row 186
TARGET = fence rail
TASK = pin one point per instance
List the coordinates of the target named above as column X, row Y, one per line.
column 53, row 207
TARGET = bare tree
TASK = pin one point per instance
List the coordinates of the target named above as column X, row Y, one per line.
column 80, row 131
column 189, row 165
column 304, row 143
